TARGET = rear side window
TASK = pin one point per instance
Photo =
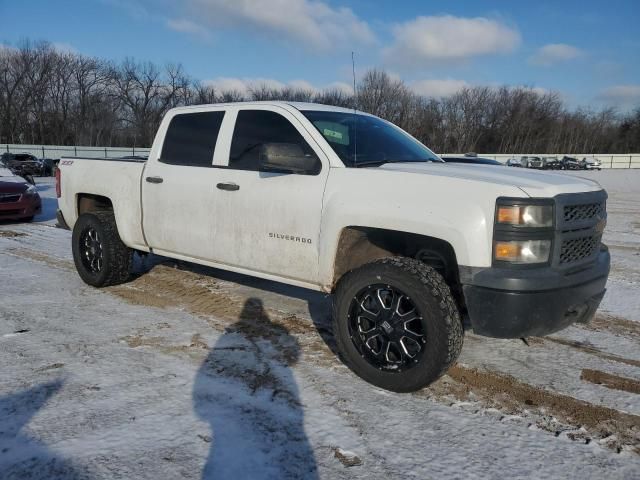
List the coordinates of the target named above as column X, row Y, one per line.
column 191, row 139
column 254, row 129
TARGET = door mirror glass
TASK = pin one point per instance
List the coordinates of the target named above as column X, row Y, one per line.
column 287, row 157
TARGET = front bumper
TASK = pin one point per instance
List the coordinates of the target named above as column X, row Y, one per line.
column 512, row 303
column 27, row 206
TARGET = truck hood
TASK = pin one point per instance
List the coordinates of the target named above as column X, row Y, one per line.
column 533, row 183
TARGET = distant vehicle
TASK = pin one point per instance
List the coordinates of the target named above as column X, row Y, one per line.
column 514, row 162
column 15, row 169
column 48, row 166
column 472, row 158
column 552, row 163
column 591, row 163
column 18, row 199
column 571, row 163
column 22, row 163
column 535, row 162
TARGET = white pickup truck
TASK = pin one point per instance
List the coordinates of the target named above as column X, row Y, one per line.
column 343, row 202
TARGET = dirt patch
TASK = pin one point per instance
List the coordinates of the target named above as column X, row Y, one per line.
column 11, row 234
column 167, row 287
column 509, row 393
column 161, row 343
column 41, row 258
column 586, row 348
column 610, row 381
column 348, row 459
column 616, row 325
column 53, row 366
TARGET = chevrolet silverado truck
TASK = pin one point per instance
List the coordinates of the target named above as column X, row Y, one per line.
column 344, row 202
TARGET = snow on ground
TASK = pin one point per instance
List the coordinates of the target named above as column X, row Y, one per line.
column 192, row 372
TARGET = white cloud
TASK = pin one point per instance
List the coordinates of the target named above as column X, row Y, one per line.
column 187, row 26
column 63, row 47
column 438, row 87
column 621, row 95
column 555, row 53
column 244, row 85
column 343, row 87
column 446, row 38
column 312, row 24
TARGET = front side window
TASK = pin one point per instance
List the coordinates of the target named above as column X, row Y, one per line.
column 361, row 140
column 257, row 131
column 191, row 139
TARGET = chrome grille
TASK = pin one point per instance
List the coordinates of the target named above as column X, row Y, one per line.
column 577, row 249
column 587, row 211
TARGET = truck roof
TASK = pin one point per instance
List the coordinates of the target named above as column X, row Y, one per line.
column 302, row 106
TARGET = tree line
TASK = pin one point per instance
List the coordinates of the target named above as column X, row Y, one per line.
column 64, row 98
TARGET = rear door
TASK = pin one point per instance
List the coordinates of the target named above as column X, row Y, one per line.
column 178, row 187
column 270, row 222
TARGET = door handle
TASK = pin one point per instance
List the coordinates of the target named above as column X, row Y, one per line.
column 154, row 179
column 230, row 187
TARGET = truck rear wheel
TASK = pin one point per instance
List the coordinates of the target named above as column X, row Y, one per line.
column 100, row 256
column 396, row 324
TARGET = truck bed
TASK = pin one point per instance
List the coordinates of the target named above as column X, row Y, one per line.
column 117, row 179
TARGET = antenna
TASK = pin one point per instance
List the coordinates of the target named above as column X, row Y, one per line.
column 355, row 104
column 353, row 70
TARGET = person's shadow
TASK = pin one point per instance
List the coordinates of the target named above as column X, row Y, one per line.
column 246, row 391
column 21, row 455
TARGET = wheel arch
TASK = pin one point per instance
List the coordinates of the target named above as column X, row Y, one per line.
column 358, row 245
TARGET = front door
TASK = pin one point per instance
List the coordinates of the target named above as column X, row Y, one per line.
column 269, row 221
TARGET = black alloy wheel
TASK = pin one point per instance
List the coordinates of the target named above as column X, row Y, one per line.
column 385, row 326
column 91, row 250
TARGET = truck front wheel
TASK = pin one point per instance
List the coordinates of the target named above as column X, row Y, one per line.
column 396, row 324
column 100, row 256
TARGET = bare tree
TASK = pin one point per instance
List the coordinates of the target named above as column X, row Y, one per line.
column 47, row 96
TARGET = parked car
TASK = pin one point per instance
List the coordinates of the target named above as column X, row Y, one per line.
column 22, row 163
column 18, row 199
column 591, row 163
column 468, row 158
column 48, row 166
column 552, row 163
column 514, row 162
column 571, row 163
column 290, row 192
column 535, row 162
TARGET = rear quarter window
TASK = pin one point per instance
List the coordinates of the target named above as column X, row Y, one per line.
column 191, row 139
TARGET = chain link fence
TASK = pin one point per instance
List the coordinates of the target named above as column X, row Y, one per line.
column 627, row 160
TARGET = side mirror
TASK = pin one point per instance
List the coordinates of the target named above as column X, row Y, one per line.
column 287, row 157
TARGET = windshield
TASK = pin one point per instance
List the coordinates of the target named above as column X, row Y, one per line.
column 364, row 140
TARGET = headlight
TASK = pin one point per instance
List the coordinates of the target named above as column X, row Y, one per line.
column 31, row 190
column 522, row 251
column 525, row 215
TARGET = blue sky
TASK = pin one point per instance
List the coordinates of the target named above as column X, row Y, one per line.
column 587, row 50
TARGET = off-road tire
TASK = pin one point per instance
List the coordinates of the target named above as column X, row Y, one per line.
column 440, row 321
column 117, row 257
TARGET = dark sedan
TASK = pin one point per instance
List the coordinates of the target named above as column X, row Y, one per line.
column 18, row 199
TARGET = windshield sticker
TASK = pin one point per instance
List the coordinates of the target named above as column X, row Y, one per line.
column 332, row 133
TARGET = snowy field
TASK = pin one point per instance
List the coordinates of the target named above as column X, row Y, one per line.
column 192, row 372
